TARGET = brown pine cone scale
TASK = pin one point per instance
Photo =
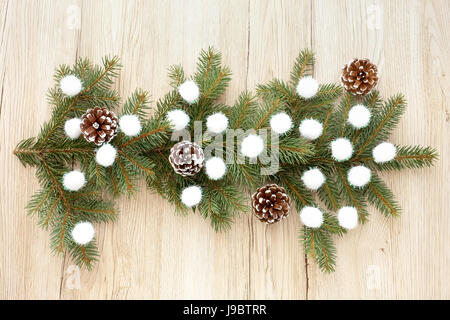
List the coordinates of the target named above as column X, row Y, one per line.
column 186, row 158
column 271, row 203
column 359, row 76
column 99, row 125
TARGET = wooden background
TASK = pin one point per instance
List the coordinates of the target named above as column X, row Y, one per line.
column 150, row 252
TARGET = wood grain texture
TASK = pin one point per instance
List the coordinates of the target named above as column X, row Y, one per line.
column 150, row 253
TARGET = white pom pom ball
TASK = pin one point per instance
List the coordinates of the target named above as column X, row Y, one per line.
column 72, row 128
column 359, row 116
column 313, row 178
column 74, row 180
column 359, row 176
column 384, row 152
column 215, row 168
column 178, row 119
column 311, row 217
column 189, row 91
column 341, row 149
column 191, row 196
column 310, row 129
column 217, row 122
column 252, row 146
column 83, row 233
column 106, row 155
column 348, row 217
column 307, row 87
column 281, row 123
column 130, row 125
column 70, row 85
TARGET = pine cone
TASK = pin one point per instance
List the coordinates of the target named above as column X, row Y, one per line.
column 99, row 125
column 271, row 203
column 186, row 158
column 359, row 76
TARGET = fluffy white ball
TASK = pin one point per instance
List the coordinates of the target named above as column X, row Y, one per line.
column 189, row 91
column 217, row 122
column 106, row 155
column 70, row 85
column 313, row 178
column 178, row 119
column 83, row 233
column 359, row 176
column 310, row 129
column 307, row 87
column 281, row 123
column 311, row 217
column 359, row 116
column 341, row 149
column 252, row 146
column 348, row 217
column 384, row 152
column 130, row 125
column 72, row 128
column 74, row 180
column 215, row 168
column 191, row 196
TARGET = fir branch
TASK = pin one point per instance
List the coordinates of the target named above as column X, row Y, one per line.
column 379, row 195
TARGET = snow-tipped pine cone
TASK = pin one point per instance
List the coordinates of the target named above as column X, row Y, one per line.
column 271, row 203
column 99, row 125
column 359, row 76
column 186, row 158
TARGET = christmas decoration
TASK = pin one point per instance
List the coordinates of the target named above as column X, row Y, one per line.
column 189, row 91
column 307, row 87
column 217, row 122
column 348, row 217
column 191, row 196
column 329, row 169
column 70, row 85
column 270, row 203
column 310, row 129
column 99, row 125
column 130, row 125
column 178, row 119
column 359, row 76
column 252, row 146
column 186, row 158
column 72, row 128
column 215, row 168
column 74, row 180
column 83, row 233
column 281, row 123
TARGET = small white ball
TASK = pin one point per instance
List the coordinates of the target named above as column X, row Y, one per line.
column 311, row 217
column 74, row 180
column 215, row 168
column 83, row 233
column 252, row 146
column 189, row 91
column 178, row 119
column 307, row 87
column 72, row 128
column 348, row 217
column 341, row 149
column 106, row 155
column 310, row 129
column 281, row 123
column 384, row 152
column 130, row 125
column 217, row 122
column 359, row 116
column 313, row 178
column 70, row 85
column 359, row 176
column 191, row 196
